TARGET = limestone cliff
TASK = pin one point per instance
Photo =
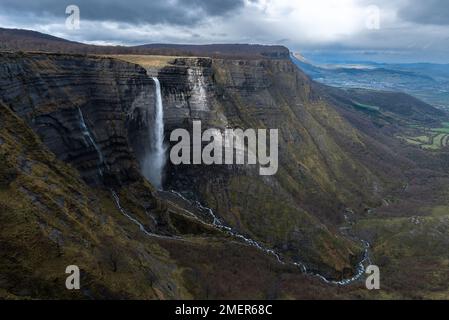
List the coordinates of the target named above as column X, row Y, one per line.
column 295, row 210
column 49, row 90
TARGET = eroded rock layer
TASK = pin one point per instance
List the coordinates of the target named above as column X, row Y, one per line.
column 49, row 90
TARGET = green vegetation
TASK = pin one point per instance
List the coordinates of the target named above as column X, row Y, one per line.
column 428, row 138
column 366, row 107
column 146, row 61
column 442, row 130
column 411, row 252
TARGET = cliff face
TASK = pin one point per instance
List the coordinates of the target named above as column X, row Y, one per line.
column 295, row 210
column 188, row 90
column 49, row 91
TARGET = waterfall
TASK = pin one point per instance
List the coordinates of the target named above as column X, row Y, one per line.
column 142, row 228
column 90, row 141
column 154, row 161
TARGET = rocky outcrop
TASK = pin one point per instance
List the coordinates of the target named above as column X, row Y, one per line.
column 188, row 90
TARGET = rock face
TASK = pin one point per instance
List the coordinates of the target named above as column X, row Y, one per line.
column 329, row 162
column 188, row 90
column 318, row 178
column 49, row 90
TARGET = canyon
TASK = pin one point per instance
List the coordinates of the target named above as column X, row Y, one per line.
column 76, row 134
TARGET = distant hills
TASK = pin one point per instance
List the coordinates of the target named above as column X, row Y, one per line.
column 27, row 40
column 426, row 81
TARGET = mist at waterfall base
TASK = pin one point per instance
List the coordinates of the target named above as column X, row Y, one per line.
column 154, row 161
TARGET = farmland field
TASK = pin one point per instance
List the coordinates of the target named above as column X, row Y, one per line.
column 429, row 138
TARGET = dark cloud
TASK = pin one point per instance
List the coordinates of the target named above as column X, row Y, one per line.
column 418, row 27
column 177, row 12
column 426, row 12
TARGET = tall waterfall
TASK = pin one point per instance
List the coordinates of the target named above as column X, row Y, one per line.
column 154, row 162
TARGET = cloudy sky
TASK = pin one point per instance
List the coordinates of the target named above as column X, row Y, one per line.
column 391, row 30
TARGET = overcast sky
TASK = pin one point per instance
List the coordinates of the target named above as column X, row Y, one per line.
column 400, row 30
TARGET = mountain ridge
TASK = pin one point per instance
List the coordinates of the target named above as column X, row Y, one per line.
column 28, row 40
